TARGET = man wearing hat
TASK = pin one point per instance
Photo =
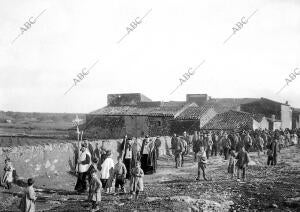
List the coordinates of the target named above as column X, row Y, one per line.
column 226, row 143
column 83, row 164
column 127, row 153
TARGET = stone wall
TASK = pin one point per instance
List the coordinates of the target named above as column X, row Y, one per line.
column 59, row 158
column 159, row 125
column 179, row 126
column 98, row 126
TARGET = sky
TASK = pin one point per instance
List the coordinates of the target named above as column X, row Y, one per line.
column 162, row 41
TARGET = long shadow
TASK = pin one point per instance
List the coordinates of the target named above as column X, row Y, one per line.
column 17, row 181
column 177, row 181
column 15, row 194
column 57, row 191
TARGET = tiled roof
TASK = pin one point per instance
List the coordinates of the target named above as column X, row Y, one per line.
column 123, row 110
column 232, row 120
column 194, row 112
column 191, row 113
column 166, row 109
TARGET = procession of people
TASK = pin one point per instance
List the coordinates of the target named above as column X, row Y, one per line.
column 98, row 173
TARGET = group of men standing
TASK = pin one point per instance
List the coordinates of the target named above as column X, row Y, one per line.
column 222, row 142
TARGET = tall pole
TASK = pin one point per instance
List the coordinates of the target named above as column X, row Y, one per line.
column 76, row 122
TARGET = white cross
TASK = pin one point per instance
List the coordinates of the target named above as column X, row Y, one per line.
column 76, row 121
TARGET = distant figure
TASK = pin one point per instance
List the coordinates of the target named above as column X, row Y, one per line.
column 274, row 151
column 106, row 172
column 231, row 164
column 178, row 151
column 294, row 139
column 226, row 143
column 95, row 191
column 209, row 144
column 7, row 178
column 247, row 141
column 136, row 183
column 84, row 162
column 27, row 203
column 202, row 161
column 259, row 145
column 242, row 162
column 174, row 140
column 239, row 142
column 186, row 137
column 269, row 155
column 185, row 150
column 157, row 145
column 215, row 139
column 195, row 143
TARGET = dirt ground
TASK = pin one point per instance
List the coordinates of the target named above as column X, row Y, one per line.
column 266, row 189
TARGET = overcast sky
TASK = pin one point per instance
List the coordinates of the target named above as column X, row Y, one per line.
column 174, row 37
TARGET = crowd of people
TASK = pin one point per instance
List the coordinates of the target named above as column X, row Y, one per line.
column 134, row 161
column 98, row 172
column 233, row 145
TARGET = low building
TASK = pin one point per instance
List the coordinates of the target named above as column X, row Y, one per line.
column 194, row 118
column 130, row 114
column 136, row 115
column 282, row 111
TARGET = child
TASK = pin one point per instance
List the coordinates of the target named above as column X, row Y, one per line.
column 27, row 203
column 7, row 178
column 242, row 162
column 120, row 175
column 107, row 172
column 93, row 168
column 136, row 183
column 95, row 190
column 231, row 164
column 202, row 161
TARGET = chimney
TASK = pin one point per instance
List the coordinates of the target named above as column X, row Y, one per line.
column 287, row 102
column 199, row 99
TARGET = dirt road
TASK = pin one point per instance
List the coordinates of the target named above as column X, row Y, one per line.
column 266, row 189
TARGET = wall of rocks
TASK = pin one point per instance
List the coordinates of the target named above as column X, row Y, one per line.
column 59, row 158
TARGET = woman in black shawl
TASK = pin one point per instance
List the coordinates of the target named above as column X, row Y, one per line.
column 149, row 155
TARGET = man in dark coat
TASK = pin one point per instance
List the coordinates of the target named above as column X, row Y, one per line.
column 237, row 142
column 275, row 150
column 247, row 142
column 215, row 139
column 196, row 144
column 226, row 143
column 148, row 156
column 127, row 153
column 174, row 141
column 241, row 163
column 178, row 151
